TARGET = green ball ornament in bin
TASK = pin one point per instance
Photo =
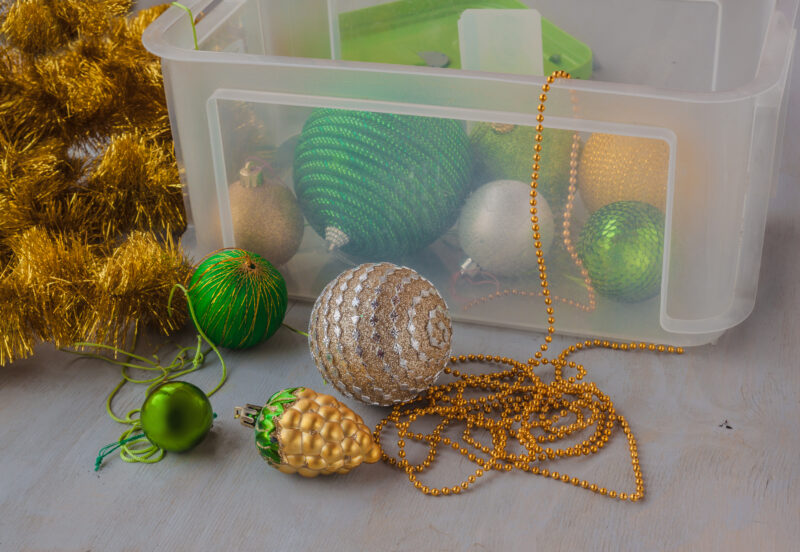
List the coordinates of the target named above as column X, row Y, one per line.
column 381, row 185
column 239, row 298
column 621, row 246
column 503, row 152
column 176, row 416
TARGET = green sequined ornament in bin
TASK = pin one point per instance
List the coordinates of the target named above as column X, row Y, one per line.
column 239, row 298
column 378, row 184
column 621, row 246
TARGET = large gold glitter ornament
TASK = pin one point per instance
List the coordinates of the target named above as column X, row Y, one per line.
column 623, row 168
column 308, row 433
column 380, row 333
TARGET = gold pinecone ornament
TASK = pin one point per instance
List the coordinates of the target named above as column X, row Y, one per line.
column 301, row 431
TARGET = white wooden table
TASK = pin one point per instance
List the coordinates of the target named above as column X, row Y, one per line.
column 718, row 431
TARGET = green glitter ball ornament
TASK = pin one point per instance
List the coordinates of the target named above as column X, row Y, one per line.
column 239, row 298
column 176, row 416
column 505, row 151
column 621, row 247
column 379, row 184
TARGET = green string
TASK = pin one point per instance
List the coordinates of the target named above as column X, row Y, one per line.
column 133, row 445
column 110, row 448
column 191, row 18
column 295, row 330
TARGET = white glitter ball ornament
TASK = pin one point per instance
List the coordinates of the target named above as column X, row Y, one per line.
column 495, row 228
column 380, row 333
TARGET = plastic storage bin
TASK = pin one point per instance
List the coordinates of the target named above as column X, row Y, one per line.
column 687, row 96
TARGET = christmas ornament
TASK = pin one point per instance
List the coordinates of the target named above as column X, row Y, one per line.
column 378, row 184
column 86, row 161
column 266, row 217
column 239, row 298
column 621, row 247
column 494, row 228
column 305, row 432
column 623, row 168
column 176, row 416
column 503, row 152
column 380, row 333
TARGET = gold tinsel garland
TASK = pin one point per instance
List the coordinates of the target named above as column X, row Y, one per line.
column 90, row 197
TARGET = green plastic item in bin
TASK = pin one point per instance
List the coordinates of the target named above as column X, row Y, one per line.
column 398, row 32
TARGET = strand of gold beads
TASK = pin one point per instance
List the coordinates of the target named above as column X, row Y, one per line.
column 566, row 233
column 535, row 414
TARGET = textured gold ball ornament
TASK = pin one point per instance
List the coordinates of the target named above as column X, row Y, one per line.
column 623, row 168
column 380, row 333
column 266, row 216
column 301, row 431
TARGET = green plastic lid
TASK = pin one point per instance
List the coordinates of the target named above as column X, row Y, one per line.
column 399, row 32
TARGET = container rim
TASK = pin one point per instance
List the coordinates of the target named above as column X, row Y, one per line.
column 778, row 48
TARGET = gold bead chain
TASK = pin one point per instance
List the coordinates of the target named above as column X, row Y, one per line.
column 566, row 233
column 535, row 414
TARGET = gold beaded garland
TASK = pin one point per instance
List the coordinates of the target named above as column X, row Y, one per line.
column 566, row 223
column 533, row 413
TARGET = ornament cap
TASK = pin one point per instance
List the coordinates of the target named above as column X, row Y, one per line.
column 250, row 175
column 336, row 238
column 502, row 128
column 247, row 414
column 469, row 267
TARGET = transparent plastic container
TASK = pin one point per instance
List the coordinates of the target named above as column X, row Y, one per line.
column 687, row 94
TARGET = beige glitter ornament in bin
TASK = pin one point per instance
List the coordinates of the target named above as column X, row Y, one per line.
column 266, row 216
column 301, row 431
column 380, row 333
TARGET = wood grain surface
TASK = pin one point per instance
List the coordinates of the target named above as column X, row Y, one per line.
column 718, row 432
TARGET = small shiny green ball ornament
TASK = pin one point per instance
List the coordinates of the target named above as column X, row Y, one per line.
column 239, row 298
column 176, row 416
column 621, row 246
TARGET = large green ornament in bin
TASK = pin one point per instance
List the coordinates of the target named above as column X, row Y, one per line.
column 622, row 247
column 381, row 185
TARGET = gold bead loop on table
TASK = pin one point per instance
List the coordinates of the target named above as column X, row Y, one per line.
column 535, row 414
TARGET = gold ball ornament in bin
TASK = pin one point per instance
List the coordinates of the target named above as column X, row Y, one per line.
column 266, row 216
column 623, row 168
column 380, row 333
column 301, row 431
